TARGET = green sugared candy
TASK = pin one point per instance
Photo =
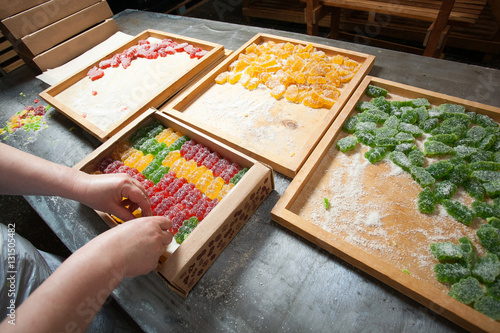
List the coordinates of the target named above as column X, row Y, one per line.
column 405, row 147
column 400, row 159
column 237, row 177
column 364, row 126
column 486, row 176
column 492, row 188
column 458, row 211
column 485, row 121
column 177, row 144
column 468, row 251
column 493, row 289
column 409, row 128
column 151, row 168
column 350, row 124
column 374, row 91
column 436, row 148
column 485, row 165
column 484, row 210
column 186, row 229
column 375, row 154
column 446, row 251
column 494, row 221
column 489, row 306
column 488, row 142
column 481, row 156
column 417, row 102
column 426, row 202
column 435, row 112
column 421, row 176
column 448, row 139
column 464, row 151
column 440, row 169
column 365, row 138
column 489, row 238
column 450, row 273
column 403, row 137
column 363, row 106
column 467, row 290
column 392, row 122
column 386, row 142
column 452, row 108
column 373, row 115
column 416, row 157
column 444, row 190
column 385, row 132
column 487, row 268
column 408, row 115
column 476, row 133
column 158, row 174
column 459, row 174
column 428, row 125
column 474, row 188
column 346, row 144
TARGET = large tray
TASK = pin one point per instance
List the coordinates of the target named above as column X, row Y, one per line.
column 373, row 221
column 276, row 132
column 123, row 94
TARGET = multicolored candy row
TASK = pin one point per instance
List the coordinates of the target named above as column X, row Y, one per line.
column 184, row 179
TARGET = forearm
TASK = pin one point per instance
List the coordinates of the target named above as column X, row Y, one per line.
column 70, row 298
column 25, row 174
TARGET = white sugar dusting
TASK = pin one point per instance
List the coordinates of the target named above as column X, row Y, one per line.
column 121, row 91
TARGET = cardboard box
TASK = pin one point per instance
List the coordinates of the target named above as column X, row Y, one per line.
column 190, row 260
column 53, row 34
column 38, row 17
column 277, row 132
column 373, row 221
column 9, row 7
column 148, row 90
column 75, row 46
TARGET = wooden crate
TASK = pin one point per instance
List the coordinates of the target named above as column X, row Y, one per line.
column 150, row 90
column 183, row 265
column 373, row 221
column 276, row 132
column 9, row 60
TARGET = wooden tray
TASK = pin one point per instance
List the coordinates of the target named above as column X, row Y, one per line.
column 151, row 87
column 276, row 132
column 373, row 221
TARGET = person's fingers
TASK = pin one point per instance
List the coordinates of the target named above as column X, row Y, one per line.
column 137, row 194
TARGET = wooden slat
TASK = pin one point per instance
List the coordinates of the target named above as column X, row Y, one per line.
column 16, row 64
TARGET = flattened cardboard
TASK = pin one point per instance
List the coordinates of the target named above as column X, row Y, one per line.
column 403, row 218
column 75, row 46
column 65, row 28
column 302, row 126
column 187, row 264
column 38, row 17
column 157, row 97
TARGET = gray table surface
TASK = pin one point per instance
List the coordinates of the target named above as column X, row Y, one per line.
column 268, row 279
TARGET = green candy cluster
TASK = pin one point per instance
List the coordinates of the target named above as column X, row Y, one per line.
column 467, row 146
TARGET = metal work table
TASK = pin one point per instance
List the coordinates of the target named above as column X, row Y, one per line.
column 268, row 279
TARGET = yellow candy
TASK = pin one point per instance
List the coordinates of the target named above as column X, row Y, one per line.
column 186, row 169
column 171, row 158
column 214, row 187
column 133, row 159
column 222, row 77
column 224, row 191
column 144, row 162
column 177, row 165
column 204, row 181
column 172, row 137
column 164, row 134
column 120, row 150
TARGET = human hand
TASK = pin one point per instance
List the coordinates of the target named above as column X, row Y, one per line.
column 106, row 193
column 134, row 247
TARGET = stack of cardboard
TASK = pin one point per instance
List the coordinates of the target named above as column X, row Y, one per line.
column 48, row 33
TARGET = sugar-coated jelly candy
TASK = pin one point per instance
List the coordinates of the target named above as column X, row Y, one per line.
column 416, row 157
column 489, row 306
column 375, row 154
column 186, row 228
column 374, row 91
column 487, row 268
column 229, row 172
column 204, row 181
column 421, row 176
column 426, row 202
column 186, row 168
column 192, row 198
column 436, row 148
column 446, row 251
column 347, row 143
column 440, row 169
column 224, row 191
column 493, row 289
column 144, row 162
column 365, row 138
column 183, row 192
column 171, row 158
column 444, row 190
column 210, row 160
column 410, row 128
column 484, row 210
column 118, row 151
column 469, row 253
column 200, row 155
column 486, row 175
column 458, row 211
column 400, row 159
column 214, row 187
column 157, row 175
column 459, row 174
column 492, row 188
column 467, row 290
column 489, row 238
column 177, row 144
column 450, row 272
column 237, row 177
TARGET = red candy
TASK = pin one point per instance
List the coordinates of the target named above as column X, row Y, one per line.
column 95, row 73
column 229, row 172
column 210, row 160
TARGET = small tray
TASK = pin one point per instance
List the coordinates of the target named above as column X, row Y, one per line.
column 373, row 221
column 276, row 132
column 123, row 94
column 183, row 265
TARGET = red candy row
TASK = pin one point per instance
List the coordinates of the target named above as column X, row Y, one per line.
column 144, row 49
column 203, row 157
column 172, row 197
